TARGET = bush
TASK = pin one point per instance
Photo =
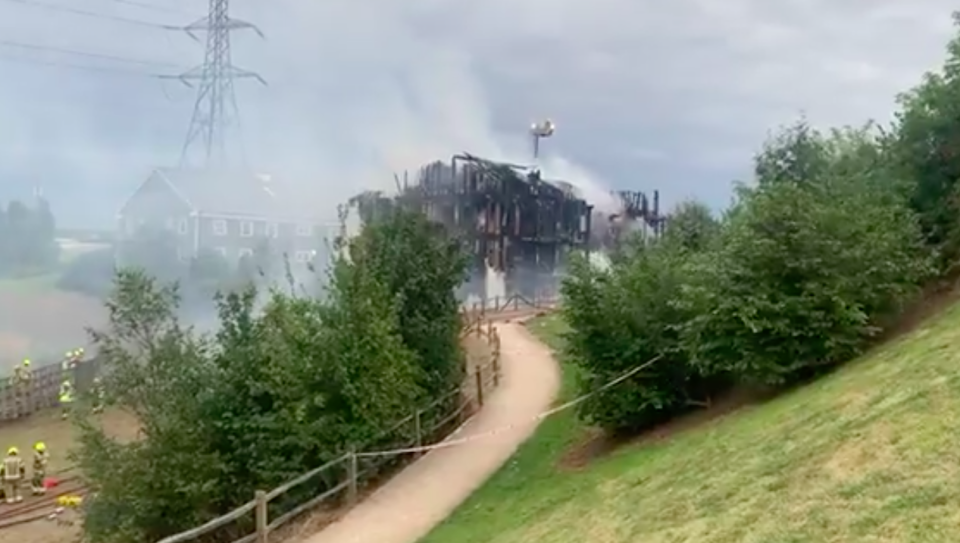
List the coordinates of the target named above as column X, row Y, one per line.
column 796, row 278
column 89, row 273
column 273, row 393
column 804, row 270
column 421, row 266
column 625, row 317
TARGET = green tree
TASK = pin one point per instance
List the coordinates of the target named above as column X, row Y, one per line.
column 271, row 394
column 804, row 270
column 208, row 273
column 692, row 226
column 154, row 251
column 624, row 317
column 926, row 146
column 20, row 232
column 28, row 239
column 794, row 155
column 420, row 265
column 45, row 252
column 161, row 373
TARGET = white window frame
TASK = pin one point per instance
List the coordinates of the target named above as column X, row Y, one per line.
column 219, row 227
column 246, row 229
column 272, row 230
column 245, row 251
column 305, row 230
column 183, row 227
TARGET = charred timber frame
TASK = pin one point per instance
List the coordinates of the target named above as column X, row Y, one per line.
column 509, row 218
column 512, row 221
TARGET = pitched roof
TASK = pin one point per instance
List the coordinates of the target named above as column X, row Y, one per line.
column 238, row 193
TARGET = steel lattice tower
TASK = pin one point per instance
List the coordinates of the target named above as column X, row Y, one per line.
column 215, row 109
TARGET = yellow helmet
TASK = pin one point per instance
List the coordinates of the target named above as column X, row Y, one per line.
column 39, row 446
column 12, row 451
column 26, row 361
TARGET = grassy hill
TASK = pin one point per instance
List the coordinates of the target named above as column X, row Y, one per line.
column 871, row 453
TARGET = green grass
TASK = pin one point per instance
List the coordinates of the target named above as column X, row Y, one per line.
column 31, row 284
column 871, row 453
column 41, row 282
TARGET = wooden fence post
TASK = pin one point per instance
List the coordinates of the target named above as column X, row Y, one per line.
column 419, row 429
column 495, row 363
column 352, row 473
column 261, row 517
column 479, row 387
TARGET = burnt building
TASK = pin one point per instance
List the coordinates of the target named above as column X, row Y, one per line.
column 515, row 224
column 632, row 213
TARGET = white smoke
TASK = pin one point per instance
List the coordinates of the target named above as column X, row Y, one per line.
column 588, row 184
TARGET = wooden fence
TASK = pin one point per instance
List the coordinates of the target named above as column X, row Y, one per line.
column 344, row 479
column 43, row 390
column 513, row 303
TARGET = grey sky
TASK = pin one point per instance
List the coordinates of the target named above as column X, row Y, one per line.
column 671, row 95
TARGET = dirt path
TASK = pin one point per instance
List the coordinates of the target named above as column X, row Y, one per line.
column 424, row 494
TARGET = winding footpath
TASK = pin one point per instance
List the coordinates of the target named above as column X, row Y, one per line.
column 425, row 493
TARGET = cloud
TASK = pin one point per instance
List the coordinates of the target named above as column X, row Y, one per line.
column 647, row 95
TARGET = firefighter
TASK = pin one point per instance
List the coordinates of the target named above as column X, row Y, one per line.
column 66, row 398
column 22, row 377
column 99, row 395
column 12, row 471
column 69, row 363
column 40, row 459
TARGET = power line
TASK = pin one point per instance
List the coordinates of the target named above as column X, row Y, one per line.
column 35, row 47
column 101, row 69
column 94, row 14
column 150, row 6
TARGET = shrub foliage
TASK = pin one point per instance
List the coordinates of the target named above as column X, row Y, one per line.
column 837, row 232
column 280, row 388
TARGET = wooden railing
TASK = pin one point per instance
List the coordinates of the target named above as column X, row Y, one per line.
column 511, row 303
column 43, row 389
column 345, row 477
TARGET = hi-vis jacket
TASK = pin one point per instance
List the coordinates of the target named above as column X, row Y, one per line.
column 13, row 468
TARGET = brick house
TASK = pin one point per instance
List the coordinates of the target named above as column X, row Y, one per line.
column 231, row 214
